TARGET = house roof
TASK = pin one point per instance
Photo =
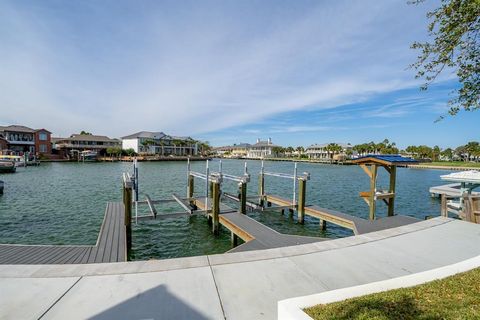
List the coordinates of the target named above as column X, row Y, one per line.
column 323, row 145
column 146, row 134
column 42, row 129
column 241, row 145
column 264, row 144
column 85, row 137
column 17, row 128
column 384, row 159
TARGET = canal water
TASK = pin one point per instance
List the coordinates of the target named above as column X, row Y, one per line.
column 64, row 203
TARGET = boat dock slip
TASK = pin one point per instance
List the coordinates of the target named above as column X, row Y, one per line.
column 110, row 246
column 450, row 190
column 243, row 285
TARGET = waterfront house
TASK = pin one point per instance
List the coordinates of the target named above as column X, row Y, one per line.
column 3, row 143
column 224, row 151
column 330, row 151
column 159, row 143
column 84, row 142
column 21, row 139
column 262, row 149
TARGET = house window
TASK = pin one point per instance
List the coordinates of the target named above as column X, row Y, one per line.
column 43, row 148
column 42, row 136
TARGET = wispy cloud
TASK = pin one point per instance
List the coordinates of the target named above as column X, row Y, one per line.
column 120, row 68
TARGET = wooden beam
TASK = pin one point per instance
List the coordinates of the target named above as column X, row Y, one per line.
column 373, row 186
column 367, row 171
column 243, row 197
column 391, row 190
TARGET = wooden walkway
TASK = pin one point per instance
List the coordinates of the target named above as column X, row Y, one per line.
column 256, row 235
column 450, row 190
column 356, row 224
column 110, row 246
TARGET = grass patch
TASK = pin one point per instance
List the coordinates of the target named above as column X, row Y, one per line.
column 453, row 164
column 455, row 297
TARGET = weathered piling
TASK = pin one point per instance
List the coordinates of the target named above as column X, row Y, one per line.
column 242, row 192
column 215, row 212
column 373, row 190
column 302, row 188
column 391, row 189
column 127, row 203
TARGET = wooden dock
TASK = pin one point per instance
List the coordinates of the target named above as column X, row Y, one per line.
column 256, row 235
column 356, row 224
column 451, row 190
column 110, row 245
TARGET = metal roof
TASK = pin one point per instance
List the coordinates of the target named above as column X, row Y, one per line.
column 146, row 134
column 388, row 159
column 85, row 137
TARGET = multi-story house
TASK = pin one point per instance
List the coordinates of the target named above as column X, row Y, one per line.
column 159, row 143
column 262, row 149
column 329, row 151
column 21, row 140
column 84, row 142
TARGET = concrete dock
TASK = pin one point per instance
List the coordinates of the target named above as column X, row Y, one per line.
column 243, row 285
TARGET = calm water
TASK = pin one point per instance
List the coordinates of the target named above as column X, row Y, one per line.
column 64, row 203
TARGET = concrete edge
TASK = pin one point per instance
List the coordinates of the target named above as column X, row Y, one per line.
column 293, row 308
column 75, row 270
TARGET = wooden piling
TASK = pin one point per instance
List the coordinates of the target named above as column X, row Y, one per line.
column 261, row 188
column 234, row 239
column 127, row 202
column 391, row 200
column 191, row 188
column 302, row 188
column 443, row 210
column 323, row 225
column 243, row 197
column 373, row 190
column 215, row 207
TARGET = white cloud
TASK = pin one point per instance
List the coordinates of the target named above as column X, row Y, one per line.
column 192, row 71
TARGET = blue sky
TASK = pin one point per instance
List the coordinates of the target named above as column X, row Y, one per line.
column 225, row 71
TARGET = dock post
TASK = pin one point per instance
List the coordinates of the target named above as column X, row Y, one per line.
column 302, row 188
column 391, row 201
column 323, row 225
column 127, row 202
column 261, row 186
column 234, row 239
column 243, row 197
column 444, row 212
column 190, row 188
column 215, row 206
column 373, row 191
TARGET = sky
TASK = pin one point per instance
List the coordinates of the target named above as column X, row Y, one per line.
column 299, row 72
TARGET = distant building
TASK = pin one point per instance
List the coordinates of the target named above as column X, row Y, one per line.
column 21, row 140
column 324, row 152
column 84, row 142
column 261, row 149
column 159, row 143
column 43, row 143
column 224, row 151
column 3, row 143
column 240, row 150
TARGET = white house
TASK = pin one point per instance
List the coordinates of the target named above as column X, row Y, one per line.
column 261, row 149
column 160, row 143
column 323, row 151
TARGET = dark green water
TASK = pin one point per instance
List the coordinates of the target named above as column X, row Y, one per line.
column 64, row 203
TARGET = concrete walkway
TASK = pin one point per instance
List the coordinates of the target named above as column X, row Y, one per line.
column 245, row 285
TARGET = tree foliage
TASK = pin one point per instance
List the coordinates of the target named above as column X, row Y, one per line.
column 455, row 45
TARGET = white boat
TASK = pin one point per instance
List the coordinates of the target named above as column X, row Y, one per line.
column 19, row 161
column 88, row 155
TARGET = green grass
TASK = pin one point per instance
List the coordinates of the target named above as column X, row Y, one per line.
column 455, row 297
column 453, row 164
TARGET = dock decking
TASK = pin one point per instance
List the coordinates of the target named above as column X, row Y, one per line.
column 450, row 190
column 256, row 235
column 110, row 246
column 356, row 224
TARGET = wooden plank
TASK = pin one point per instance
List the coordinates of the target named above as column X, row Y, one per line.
column 100, row 247
column 104, row 247
column 116, row 230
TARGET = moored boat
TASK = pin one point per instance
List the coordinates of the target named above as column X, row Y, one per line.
column 7, row 166
column 18, row 161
